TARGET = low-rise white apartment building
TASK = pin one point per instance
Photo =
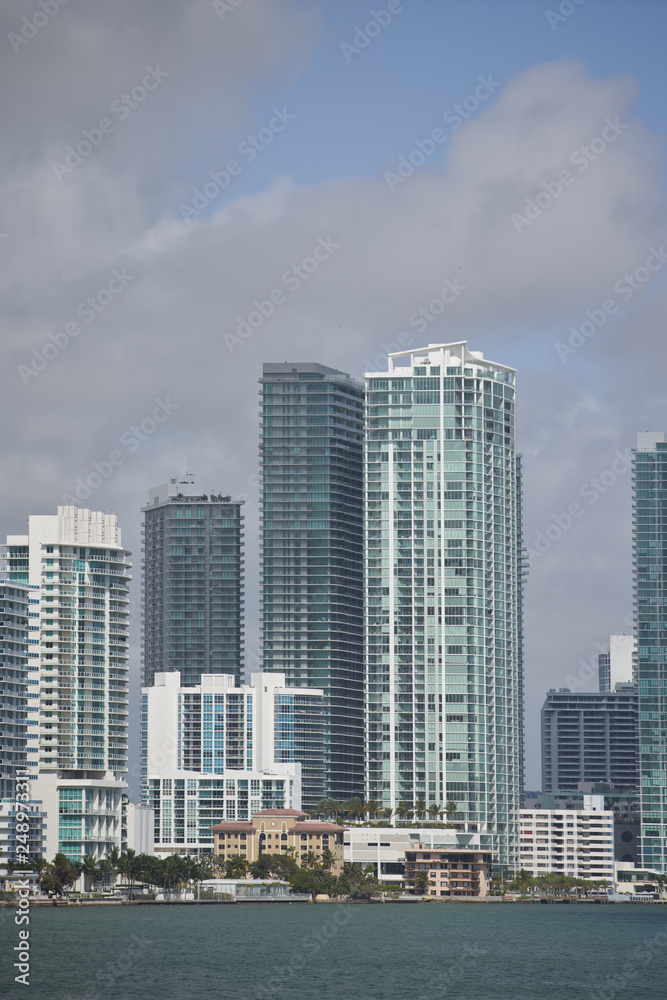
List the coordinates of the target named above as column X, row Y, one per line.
column 576, row 842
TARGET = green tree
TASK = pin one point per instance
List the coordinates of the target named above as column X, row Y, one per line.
column 420, row 808
column 371, row 808
column 451, row 809
column 89, row 870
column 60, row 875
column 435, row 810
column 403, row 811
column 354, row 807
column 237, row 866
column 113, row 857
column 328, row 859
column 305, row 881
column 422, row 883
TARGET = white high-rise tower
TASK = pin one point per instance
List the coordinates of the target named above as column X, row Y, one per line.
column 78, row 573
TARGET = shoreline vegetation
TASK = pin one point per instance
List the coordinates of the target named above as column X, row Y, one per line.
column 409, row 900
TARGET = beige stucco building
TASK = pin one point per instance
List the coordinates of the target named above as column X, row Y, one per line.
column 275, row 831
column 451, row 872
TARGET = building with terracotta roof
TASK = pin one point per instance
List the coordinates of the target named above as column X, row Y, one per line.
column 276, row 831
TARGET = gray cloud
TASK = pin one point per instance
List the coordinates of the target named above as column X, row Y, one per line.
column 163, row 334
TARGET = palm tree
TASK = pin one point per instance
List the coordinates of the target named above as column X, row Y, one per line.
column 89, row 871
column 173, row 872
column 311, row 860
column 328, row 859
column 403, row 810
column 130, row 867
column 451, row 809
column 354, row 807
column 371, row 808
column 435, row 810
column 104, row 868
column 420, row 808
column 422, row 882
column 237, row 866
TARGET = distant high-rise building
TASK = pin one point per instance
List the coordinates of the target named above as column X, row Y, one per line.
column 312, row 550
column 616, row 666
column 13, row 685
column 78, row 571
column 590, row 737
column 650, row 591
column 193, row 583
column 444, row 568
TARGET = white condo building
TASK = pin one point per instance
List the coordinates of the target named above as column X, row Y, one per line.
column 444, row 573
column 576, row 842
column 77, row 572
column 214, row 751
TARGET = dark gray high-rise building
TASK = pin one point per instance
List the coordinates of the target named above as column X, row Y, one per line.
column 312, row 550
column 193, row 583
column 590, row 737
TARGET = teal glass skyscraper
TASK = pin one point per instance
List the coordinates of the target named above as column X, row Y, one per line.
column 650, row 592
column 444, row 591
column 312, row 551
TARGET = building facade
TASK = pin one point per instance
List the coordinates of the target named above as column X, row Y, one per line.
column 616, row 666
column 13, row 685
column 450, row 873
column 650, row 594
column 216, row 727
column 590, row 737
column 78, row 571
column 444, row 572
column 277, row 831
column 579, row 842
column 186, row 805
column 312, row 551
column 137, row 828
column 385, row 848
column 193, row 583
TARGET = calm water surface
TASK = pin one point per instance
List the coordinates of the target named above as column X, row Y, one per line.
column 339, row 952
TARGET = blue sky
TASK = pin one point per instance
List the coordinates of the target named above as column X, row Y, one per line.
column 354, row 118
